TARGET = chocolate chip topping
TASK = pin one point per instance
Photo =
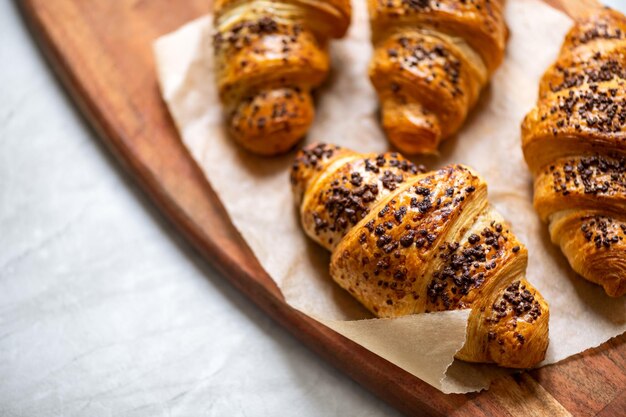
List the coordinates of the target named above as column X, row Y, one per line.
column 599, row 31
column 466, row 265
column 242, row 33
column 595, row 108
column 413, row 53
column 598, row 175
column 598, row 69
column 411, row 220
column 421, row 6
column 311, row 157
column 357, row 186
column 391, row 181
column 417, row 4
column 603, row 231
column 518, row 301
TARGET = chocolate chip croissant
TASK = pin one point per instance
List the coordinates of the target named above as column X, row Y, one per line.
column 574, row 142
column 406, row 242
column 431, row 60
column 269, row 55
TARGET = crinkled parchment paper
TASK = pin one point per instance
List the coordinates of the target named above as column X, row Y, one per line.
column 257, row 195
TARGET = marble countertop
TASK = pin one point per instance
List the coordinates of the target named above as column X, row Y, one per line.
column 104, row 310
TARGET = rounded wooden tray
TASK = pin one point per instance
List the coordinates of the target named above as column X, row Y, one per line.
column 102, row 53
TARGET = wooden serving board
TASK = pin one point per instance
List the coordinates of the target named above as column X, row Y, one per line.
column 102, row 53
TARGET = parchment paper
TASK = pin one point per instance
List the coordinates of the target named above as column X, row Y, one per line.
column 257, row 196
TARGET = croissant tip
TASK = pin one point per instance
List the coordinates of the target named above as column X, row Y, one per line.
column 415, row 142
column 272, row 121
column 410, row 129
column 308, row 162
column 615, row 288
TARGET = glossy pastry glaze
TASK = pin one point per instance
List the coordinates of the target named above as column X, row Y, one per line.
column 270, row 54
column 431, row 60
column 574, row 142
column 406, row 242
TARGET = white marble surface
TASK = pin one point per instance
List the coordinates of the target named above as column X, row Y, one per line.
column 103, row 310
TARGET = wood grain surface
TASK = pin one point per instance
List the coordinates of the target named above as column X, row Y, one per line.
column 102, row 53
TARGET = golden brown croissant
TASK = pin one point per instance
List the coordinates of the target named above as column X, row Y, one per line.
column 574, row 142
column 269, row 55
column 406, row 242
column 431, row 60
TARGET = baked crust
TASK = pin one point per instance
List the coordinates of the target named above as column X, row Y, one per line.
column 574, row 142
column 425, row 242
column 269, row 55
column 431, row 60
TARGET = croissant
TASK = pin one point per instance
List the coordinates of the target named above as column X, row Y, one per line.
column 574, row 142
column 406, row 242
column 269, row 55
column 431, row 60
